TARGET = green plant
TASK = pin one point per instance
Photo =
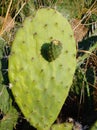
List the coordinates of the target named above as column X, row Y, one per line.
column 94, row 126
column 85, row 49
column 80, row 82
column 8, row 114
column 62, row 126
column 41, row 66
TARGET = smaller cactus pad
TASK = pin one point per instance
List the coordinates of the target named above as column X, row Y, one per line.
column 41, row 66
column 94, row 126
column 50, row 51
column 8, row 114
column 62, row 126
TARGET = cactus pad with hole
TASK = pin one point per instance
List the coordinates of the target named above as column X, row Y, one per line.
column 41, row 66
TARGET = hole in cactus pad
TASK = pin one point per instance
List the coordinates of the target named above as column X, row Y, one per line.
column 51, row 51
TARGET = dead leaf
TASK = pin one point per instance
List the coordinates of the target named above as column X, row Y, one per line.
column 8, row 25
column 79, row 29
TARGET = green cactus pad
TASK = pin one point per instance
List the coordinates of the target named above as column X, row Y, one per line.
column 8, row 114
column 41, row 87
column 62, row 126
column 94, row 126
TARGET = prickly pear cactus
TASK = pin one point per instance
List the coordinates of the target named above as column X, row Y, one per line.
column 8, row 114
column 79, row 82
column 88, row 45
column 42, row 65
column 94, row 126
column 62, row 126
column 70, row 124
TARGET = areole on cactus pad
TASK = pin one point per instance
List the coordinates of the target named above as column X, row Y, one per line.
column 41, row 66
